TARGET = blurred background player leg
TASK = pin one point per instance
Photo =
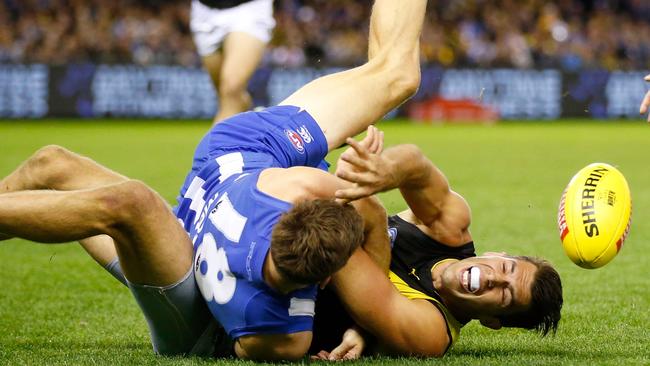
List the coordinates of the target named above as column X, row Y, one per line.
column 645, row 103
column 346, row 103
column 231, row 37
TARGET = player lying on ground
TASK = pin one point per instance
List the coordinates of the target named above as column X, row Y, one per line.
column 427, row 324
column 436, row 283
column 54, row 180
column 645, row 103
column 255, row 273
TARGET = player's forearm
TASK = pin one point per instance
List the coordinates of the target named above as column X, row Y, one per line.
column 363, row 288
column 376, row 242
column 409, row 168
column 423, row 186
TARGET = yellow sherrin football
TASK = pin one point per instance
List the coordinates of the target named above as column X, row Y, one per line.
column 595, row 215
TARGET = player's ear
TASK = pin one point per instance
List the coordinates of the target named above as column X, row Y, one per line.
column 491, row 322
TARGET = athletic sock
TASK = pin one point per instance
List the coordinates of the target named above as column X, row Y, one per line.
column 116, row 271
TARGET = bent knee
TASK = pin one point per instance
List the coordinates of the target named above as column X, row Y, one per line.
column 231, row 87
column 49, row 154
column 52, row 163
column 132, row 200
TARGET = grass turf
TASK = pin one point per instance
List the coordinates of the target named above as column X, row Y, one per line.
column 58, row 307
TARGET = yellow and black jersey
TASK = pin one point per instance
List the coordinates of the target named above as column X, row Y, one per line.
column 413, row 256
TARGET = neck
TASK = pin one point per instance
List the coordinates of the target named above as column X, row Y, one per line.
column 274, row 279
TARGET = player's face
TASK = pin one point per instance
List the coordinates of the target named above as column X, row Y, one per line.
column 490, row 285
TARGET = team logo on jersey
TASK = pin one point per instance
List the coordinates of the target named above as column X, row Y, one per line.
column 295, row 140
column 392, row 234
column 304, row 133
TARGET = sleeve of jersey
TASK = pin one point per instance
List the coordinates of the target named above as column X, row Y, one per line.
column 269, row 314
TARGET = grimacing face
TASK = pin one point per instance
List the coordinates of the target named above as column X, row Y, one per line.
column 487, row 286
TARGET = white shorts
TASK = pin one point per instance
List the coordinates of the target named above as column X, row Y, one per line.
column 210, row 26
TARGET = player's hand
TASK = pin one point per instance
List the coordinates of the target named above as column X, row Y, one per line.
column 350, row 348
column 373, row 143
column 363, row 165
column 645, row 104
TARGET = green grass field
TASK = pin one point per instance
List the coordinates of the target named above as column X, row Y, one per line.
column 58, row 307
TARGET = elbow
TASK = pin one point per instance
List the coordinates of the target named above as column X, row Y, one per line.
column 293, row 354
column 425, row 345
column 431, row 349
column 432, row 353
column 292, row 351
column 417, row 350
column 273, row 348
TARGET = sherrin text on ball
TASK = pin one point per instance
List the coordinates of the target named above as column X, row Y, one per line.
column 594, row 215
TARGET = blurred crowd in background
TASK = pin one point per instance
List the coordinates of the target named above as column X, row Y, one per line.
column 567, row 34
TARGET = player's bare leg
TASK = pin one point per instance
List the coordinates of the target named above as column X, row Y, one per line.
column 240, row 56
column 645, row 103
column 153, row 248
column 212, row 64
column 346, row 103
column 56, row 168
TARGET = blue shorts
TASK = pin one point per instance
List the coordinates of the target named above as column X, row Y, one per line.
column 286, row 135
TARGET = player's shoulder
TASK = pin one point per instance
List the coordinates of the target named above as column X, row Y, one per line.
column 298, row 183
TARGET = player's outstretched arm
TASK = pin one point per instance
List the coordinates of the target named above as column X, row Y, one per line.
column 424, row 187
column 402, row 326
column 645, row 103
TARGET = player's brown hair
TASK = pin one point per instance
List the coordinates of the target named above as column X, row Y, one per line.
column 315, row 239
column 544, row 312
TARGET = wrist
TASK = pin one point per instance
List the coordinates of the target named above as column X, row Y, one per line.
column 395, row 173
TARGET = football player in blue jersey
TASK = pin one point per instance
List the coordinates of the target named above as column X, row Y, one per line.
column 258, row 226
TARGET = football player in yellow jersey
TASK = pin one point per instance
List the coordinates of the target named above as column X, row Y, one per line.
column 435, row 284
